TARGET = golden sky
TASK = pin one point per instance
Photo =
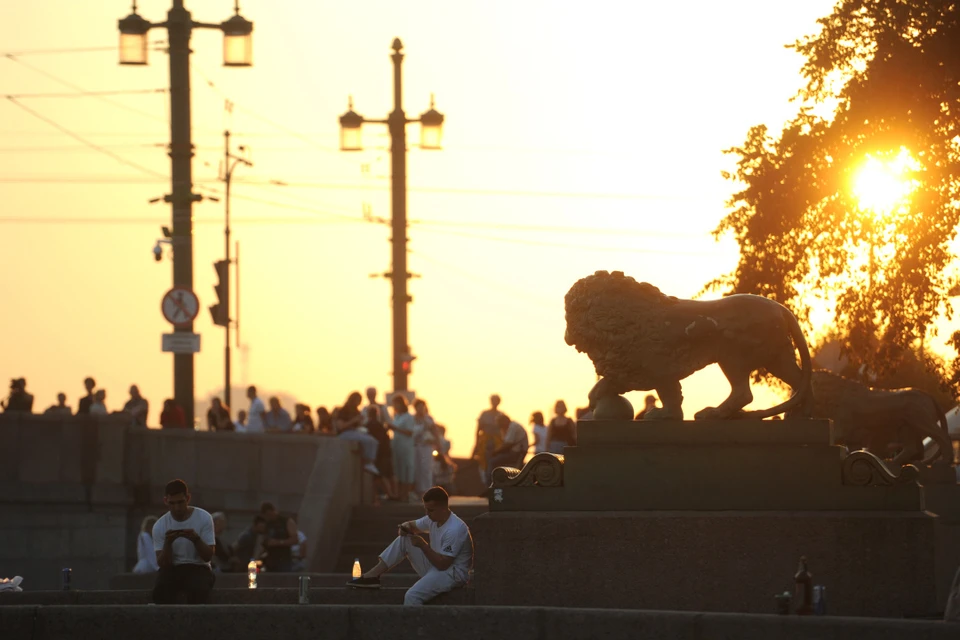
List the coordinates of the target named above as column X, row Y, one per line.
column 578, row 137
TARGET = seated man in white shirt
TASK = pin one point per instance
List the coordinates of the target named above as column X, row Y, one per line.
column 184, row 541
column 514, row 448
column 442, row 564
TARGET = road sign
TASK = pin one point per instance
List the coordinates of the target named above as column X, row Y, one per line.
column 409, row 396
column 180, row 306
column 181, row 343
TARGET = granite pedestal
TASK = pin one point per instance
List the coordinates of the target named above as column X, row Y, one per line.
column 708, row 516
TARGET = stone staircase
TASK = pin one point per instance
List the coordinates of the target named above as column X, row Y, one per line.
column 373, row 528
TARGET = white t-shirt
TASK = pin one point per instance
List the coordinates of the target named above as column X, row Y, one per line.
column 451, row 539
column 540, row 433
column 517, row 436
column 255, row 417
column 184, row 551
column 295, row 549
column 146, row 556
column 381, row 411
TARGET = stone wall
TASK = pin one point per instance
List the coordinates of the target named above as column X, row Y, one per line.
column 73, row 490
column 463, row 623
column 879, row 564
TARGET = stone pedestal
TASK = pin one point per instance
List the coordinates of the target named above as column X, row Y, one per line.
column 873, row 564
column 706, row 516
column 942, row 497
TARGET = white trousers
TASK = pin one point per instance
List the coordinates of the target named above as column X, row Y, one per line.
column 432, row 581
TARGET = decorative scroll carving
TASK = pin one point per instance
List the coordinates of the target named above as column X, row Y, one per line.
column 864, row 469
column 543, row 470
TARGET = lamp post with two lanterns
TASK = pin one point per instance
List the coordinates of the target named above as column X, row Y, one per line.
column 237, row 52
column 431, row 128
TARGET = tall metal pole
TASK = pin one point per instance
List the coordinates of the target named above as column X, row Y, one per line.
column 226, row 249
column 236, row 264
column 181, row 196
column 397, row 123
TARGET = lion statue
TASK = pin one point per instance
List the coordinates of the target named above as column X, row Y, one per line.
column 874, row 418
column 640, row 339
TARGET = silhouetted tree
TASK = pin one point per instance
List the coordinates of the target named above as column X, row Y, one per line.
column 881, row 76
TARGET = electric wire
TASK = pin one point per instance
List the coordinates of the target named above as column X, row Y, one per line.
column 80, row 89
column 37, row 52
column 561, row 245
column 553, row 229
column 498, row 287
column 256, row 220
column 87, row 94
column 284, row 205
column 259, row 116
column 84, row 141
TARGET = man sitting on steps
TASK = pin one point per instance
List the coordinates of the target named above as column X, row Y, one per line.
column 185, row 542
column 442, row 564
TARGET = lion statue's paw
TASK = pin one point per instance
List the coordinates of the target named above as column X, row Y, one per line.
column 709, row 413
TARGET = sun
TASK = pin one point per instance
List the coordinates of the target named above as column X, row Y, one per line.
column 883, row 184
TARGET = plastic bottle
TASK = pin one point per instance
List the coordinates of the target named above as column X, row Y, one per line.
column 357, row 571
column 819, row 600
column 252, row 574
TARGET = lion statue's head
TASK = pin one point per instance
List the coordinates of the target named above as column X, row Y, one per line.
column 610, row 316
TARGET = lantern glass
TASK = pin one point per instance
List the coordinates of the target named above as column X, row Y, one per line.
column 351, row 138
column 133, row 48
column 430, row 135
column 431, row 128
column 351, row 130
column 133, row 38
column 238, row 51
column 237, row 42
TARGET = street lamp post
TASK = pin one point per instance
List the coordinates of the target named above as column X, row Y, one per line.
column 431, row 127
column 133, row 51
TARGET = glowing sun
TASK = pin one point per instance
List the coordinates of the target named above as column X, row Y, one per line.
column 882, row 184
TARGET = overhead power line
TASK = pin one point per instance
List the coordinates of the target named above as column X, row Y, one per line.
column 562, row 245
column 138, row 146
column 131, row 220
column 488, row 192
column 554, row 229
column 82, row 140
column 75, row 87
column 499, row 288
column 259, row 116
column 38, row 52
column 285, row 205
column 354, row 187
column 88, row 94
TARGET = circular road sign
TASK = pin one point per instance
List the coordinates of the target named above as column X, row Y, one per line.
column 180, row 306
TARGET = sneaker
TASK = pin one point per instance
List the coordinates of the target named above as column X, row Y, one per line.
column 364, row 583
column 371, row 468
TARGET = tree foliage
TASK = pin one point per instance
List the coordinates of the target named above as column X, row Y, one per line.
column 880, row 76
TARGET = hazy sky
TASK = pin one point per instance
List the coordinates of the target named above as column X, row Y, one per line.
column 578, row 137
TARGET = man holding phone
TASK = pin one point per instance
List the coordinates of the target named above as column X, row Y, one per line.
column 443, row 563
column 184, row 540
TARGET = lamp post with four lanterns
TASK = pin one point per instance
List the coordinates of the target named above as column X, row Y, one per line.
column 431, row 128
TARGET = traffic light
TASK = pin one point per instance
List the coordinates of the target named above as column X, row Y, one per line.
column 220, row 312
column 406, row 362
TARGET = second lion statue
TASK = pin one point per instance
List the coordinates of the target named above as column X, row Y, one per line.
column 640, row 339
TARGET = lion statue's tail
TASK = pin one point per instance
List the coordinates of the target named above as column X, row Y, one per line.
column 941, row 437
column 801, row 394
